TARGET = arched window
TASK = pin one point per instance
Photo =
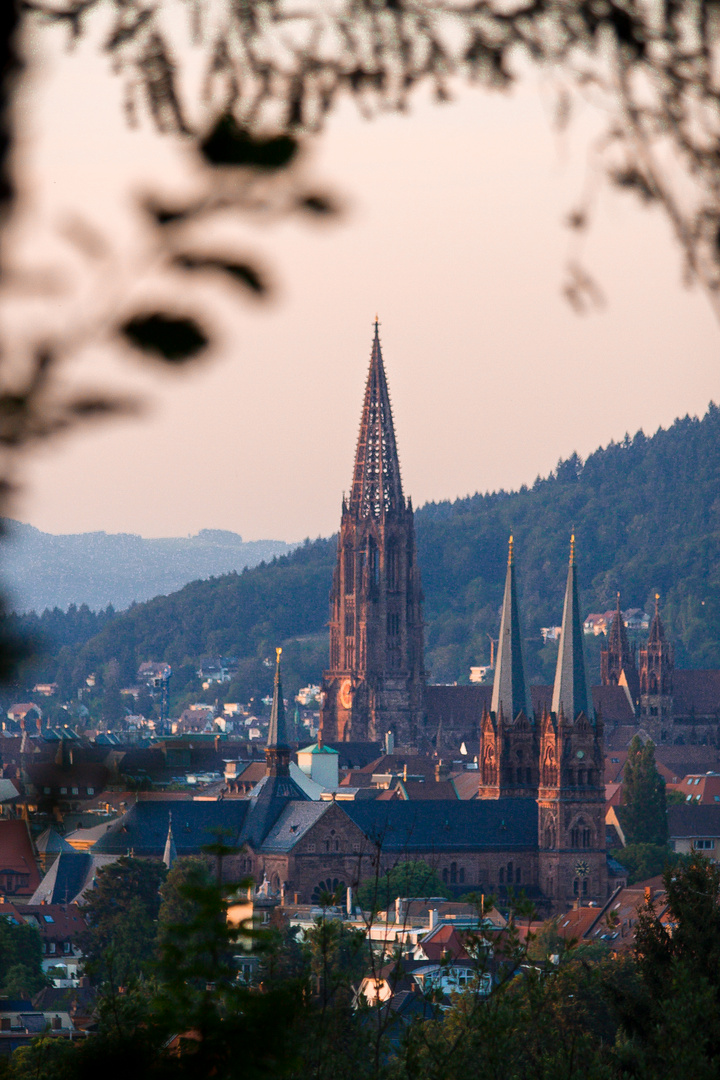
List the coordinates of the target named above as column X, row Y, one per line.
column 502, row 875
column 453, row 873
column 445, row 875
column 461, row 875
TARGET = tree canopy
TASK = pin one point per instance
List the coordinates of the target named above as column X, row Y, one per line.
column 643, row 813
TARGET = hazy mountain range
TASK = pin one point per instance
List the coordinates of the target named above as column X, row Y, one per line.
column 42, row 570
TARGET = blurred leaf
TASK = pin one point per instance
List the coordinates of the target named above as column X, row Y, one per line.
column 229, row 144
column 165, row 336
column 317, row 204
column 242, row 272
column 89, row 406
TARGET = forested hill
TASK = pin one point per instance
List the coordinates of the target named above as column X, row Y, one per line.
column 647, row 518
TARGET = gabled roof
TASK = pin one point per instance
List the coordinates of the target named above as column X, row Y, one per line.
column 691, row 821
column 17, row 855
column 66, row 878
column 294, row 822
column 493, row 824
column 143, row 829
column 50, row 842
column 696, row 692
column 265, row 805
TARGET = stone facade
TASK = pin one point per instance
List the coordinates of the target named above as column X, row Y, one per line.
column 375, row 679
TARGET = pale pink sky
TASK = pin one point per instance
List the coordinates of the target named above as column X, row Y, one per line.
column 453, row 235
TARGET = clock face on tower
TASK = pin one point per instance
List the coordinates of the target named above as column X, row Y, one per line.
column 582, row 868
column 345, row 694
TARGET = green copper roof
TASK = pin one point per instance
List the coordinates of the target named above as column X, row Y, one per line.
column 277, row 732
column 571, row 689
column 509, row 686
column 314, row 748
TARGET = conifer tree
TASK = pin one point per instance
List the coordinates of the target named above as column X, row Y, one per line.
column 644, row 816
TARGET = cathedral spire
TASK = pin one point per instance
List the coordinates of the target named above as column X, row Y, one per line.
column 570, row 691
column 377, row 485
column 509, row 686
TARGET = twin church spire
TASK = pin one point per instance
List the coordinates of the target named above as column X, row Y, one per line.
column 571, row 694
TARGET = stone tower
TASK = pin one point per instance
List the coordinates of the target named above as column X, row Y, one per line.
column 656, row 680
column 375, row 680
column 508, row 740
column 619, row 656
column 571, row 793
column 618, row 663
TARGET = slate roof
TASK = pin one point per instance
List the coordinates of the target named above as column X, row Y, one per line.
column 693, row 820
column 65, row 878
column 294, row 822
column 143, row 829
column 461, row 707
column 696, row 692
column 492, row 824
column 50, row 841
column 265, row 805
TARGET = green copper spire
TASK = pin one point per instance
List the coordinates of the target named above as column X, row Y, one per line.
column 571, row 689
column 277, row 733
column 509, row 686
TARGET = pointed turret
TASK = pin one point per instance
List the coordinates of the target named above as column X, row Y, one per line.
column 618, row 658
column 657, row 630
column 510, row 692
column 377, row 485
column 277, row 752
column 570, row 692
column 170, row 853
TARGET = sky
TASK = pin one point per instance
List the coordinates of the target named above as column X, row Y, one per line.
column 452, row 232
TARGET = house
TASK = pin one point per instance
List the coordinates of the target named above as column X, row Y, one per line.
column 60, row 927
column 695, row 828
column 702, row 788
column 19, row 875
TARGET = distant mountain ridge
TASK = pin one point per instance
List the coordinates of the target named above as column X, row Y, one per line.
column 44, row 570
column 646, row 513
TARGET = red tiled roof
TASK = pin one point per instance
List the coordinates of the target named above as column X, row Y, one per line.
column 17, row 858
column 54, row 921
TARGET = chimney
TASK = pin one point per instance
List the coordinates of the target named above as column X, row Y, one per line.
column 83, row 981
column 442, row 772
column 648, row 893
column 389, row 742
column 398, row 910
column 56, row 1023
column 432, row 918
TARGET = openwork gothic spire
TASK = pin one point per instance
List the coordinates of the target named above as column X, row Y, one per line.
column 571, row 689
column 509, row 687
column 377, row 485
